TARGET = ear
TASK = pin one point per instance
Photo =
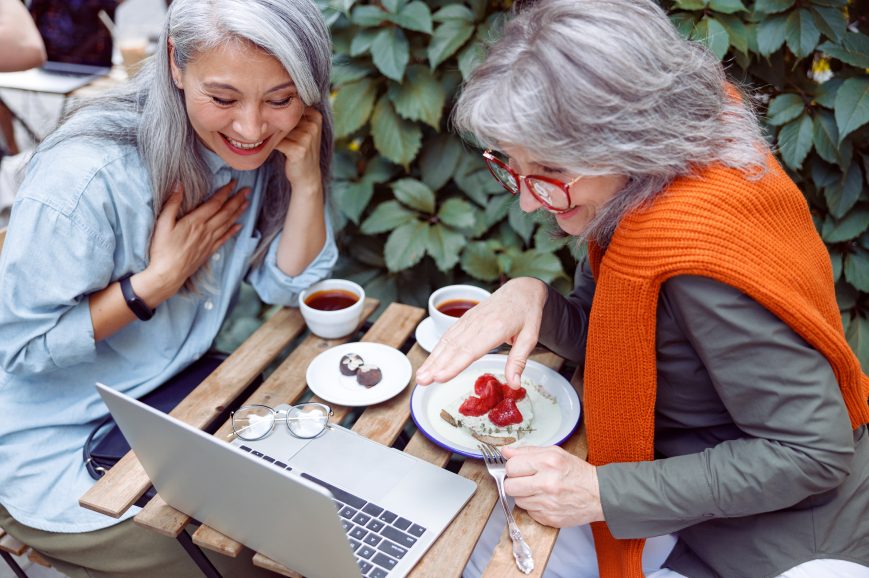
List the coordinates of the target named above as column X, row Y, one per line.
column 176, row 72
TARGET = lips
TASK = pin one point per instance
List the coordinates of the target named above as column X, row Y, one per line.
column 568, row 214
column 243, row 148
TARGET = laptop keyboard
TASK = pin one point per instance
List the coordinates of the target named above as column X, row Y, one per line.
column 378, row 537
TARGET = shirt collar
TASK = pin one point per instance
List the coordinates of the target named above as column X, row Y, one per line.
column 212, row 159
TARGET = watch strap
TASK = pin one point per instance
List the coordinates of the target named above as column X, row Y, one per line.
column 135, row 303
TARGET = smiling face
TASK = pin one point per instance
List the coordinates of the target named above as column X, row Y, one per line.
column 240, row 101
column 587, row 195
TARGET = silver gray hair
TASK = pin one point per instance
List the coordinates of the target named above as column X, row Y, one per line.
column 149, row 112
column 609, row 87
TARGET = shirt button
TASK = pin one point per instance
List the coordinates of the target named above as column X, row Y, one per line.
column 208, row 305
column 215, row 257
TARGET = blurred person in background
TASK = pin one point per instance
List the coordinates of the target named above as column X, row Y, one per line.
column 138, row 219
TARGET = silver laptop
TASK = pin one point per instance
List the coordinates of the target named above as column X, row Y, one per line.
column 337, row 506
column 77, row 43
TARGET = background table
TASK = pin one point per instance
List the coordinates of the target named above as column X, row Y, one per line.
column 127, row 481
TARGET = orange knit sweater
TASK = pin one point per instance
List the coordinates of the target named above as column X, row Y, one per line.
column 756, row 236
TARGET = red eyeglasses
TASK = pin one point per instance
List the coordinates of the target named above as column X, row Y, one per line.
column 551, row 193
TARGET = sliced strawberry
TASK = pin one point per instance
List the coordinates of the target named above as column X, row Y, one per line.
column 481, row 382
column 514, row 394
column 492, row 394
column 505, row 413
column 473, row 407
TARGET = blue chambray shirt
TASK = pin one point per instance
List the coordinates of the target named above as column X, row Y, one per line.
column 82, row 220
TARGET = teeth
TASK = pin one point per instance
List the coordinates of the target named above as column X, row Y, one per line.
column 240, row 145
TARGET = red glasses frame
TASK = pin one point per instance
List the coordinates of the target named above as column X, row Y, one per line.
column 490, row 158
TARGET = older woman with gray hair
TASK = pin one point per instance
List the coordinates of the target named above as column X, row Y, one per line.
column 722, row 402
column 139, row 217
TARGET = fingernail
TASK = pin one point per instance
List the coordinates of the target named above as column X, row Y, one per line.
column 422, row 375
column 245, row 205
column 247, row 193
column 518, row 378
column 176, row 188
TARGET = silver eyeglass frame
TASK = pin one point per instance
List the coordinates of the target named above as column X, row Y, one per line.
column 276, row 418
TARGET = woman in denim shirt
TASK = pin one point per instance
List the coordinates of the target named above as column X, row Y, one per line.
column 209, row 167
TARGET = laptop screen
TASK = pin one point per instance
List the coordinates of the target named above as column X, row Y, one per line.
column 73, row 32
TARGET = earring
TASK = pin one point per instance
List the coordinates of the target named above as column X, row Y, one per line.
column 176, row 81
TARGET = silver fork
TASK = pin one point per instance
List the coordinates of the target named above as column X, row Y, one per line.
column 497, row 466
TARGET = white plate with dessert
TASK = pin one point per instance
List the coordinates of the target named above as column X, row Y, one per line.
column 359, row 374
column 477, row 406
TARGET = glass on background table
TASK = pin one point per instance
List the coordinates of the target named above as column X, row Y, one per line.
column 127, row 481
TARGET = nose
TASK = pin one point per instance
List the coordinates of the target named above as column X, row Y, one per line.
column 249, row 124
column 527, row 201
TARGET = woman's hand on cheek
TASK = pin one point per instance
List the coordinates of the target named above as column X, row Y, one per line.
column 556, row 488
column 302, row 149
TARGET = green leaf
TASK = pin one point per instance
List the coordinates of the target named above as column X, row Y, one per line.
column 415, row 195
column 405, row 246
column 521, row 222
column 854, row 50
column 544, row 243
column 397, row 139
column 831, row 22
column 457, row 213
column 470, row 58
column 353, row 105
column 352, row 198
column 773, row 6
column 711, row 32
column 858, row 339
column 727, row 6
column 363, row 40
column 691, row 4
column 544, row 266
column 785, row 108
column 826, row 135
column 343, row 167
column 390, row 5
column 420, row 97
column 736, row 31
column 438, row 160
column 480, row 262
column 497, row 208
column 801, row 33
column 444, row 245
column 684, row 23
column 825, row 95
column 379, row 170
column 857, row 269
column 823, row 173
column 831, row 3
column 771, row 34
column 386, row 217
column 391, row 52
column 852, row 105
column 836, row 263
column 453, row 12
column 474, row 179
column 795, row 141
column 344, row 73
column 448, row 38
column 842, row 194
column 414, row 16
column 368, row 16
column 848, row 228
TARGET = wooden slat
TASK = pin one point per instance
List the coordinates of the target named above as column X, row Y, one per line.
column 269, row 564
column 13, row 546
column 37, row 559
column 339, row 412
column 115, row 492
column 287, row 382
column 402, row 320
column 423, row 448
column 2, row 532
column 541, row 539
column 206, row 537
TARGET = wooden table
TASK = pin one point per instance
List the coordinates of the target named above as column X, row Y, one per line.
column 127, row 481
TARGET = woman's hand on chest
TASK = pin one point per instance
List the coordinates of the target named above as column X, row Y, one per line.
column 302, row 149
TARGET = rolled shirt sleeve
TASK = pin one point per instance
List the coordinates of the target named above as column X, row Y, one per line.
column 779, row 391
column 277, row 288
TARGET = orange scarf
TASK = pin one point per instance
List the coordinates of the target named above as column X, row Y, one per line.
column 756, row 236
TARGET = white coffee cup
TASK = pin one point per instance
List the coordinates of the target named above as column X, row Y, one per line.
column 442, row 321
column 332, row 324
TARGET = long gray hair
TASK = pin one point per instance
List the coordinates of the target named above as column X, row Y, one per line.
column 149, row 111
column 609, row 87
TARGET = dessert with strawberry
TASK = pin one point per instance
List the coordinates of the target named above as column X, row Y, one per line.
column 494, row 413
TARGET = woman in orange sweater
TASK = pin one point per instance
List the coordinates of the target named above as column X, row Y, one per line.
column 722, row 402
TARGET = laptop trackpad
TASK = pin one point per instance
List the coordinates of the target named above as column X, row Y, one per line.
column 358, row 465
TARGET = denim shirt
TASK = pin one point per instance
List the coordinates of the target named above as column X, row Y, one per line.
column 82, row 220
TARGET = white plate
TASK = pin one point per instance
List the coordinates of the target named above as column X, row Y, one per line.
column 326, row 380
column 426, row 334
column 550, row 380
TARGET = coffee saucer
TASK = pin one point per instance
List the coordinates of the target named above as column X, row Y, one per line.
column 426, row 334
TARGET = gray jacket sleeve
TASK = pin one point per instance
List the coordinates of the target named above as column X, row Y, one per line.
column 564, row 327
column 778, row 390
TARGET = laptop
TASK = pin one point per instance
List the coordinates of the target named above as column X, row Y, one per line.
column 336, row 506
column 77, row 43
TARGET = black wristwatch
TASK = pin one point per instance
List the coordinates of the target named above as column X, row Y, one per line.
column 135, row 304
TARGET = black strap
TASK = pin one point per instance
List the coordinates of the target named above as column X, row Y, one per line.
column 136, row 305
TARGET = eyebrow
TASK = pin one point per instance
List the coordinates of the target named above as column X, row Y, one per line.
column 220, row 85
